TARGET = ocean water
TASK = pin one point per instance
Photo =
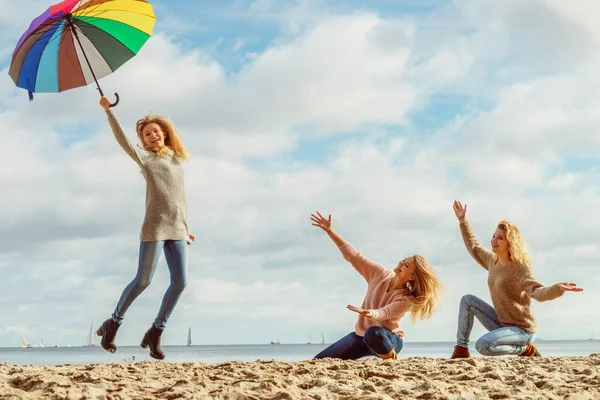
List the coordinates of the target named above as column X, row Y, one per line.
column 223, row 353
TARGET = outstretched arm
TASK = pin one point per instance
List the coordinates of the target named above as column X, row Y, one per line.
column 363, row 265
column 537, row 291
column 393, row 310
column 130, row 149
column 483, row 256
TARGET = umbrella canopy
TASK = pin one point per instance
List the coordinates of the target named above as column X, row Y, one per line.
column 76, row 42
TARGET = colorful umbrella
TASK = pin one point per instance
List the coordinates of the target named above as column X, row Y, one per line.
column 77, row 42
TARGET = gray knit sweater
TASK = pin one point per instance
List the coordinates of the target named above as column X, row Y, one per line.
column 166, row 203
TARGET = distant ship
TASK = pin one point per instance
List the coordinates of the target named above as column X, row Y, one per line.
column 275, row 342
column 24, row 343
column 189, row 341
column 89, row 338
column 309, row 340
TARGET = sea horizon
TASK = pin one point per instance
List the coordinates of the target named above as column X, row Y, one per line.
column 37, row 346
column 286, row 352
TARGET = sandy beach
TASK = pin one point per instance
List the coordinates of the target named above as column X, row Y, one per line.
column 412, row 378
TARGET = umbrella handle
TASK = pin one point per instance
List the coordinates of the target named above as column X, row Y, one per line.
column 116, row 101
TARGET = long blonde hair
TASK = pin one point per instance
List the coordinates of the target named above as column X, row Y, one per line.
column 517, row 250
column 426, row 289
column 173, row 144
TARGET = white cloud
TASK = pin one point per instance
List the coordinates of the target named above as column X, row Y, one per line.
column 564, row 181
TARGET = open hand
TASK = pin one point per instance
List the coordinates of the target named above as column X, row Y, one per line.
column 362, row 311
column 190, row 238
column 569, row 287
column 105, row 103
column 321, row 221
column 459, row 210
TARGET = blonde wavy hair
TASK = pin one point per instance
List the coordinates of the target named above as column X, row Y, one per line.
column 173, row 144
column 426, row 289
column 517, row 250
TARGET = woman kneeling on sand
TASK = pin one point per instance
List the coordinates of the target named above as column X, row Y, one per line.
column 511, row 324
column 412, row 286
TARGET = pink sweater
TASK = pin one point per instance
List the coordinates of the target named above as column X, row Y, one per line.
column 387, row 307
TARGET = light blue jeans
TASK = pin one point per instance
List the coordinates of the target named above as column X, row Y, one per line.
column 176, row 255
column 501, row 340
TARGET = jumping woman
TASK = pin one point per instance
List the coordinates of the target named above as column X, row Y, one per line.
column 165, row 224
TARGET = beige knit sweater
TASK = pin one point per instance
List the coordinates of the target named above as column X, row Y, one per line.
column 166, row 203
column 511, row 286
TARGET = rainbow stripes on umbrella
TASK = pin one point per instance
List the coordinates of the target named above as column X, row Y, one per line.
column 76, row 42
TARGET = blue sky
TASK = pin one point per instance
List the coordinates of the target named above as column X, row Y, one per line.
column 378, row 112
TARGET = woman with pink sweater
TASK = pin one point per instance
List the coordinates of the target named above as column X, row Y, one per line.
column 510, row 322
column 411, row 287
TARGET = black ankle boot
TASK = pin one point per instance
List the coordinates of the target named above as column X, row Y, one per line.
column 108, row 331
column 152, row 339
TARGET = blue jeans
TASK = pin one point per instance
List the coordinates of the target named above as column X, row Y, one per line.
column 176, row 255
column 501, row 340
column 377, row 340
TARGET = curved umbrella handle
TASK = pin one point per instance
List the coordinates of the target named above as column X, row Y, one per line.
column 116, row 101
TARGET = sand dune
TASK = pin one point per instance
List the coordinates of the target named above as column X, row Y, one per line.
column 411, row 378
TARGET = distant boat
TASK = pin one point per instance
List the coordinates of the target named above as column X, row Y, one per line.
column 309, row 340
column 591, row 336
column 189, row 342
column 275, row 342
column 89, row 338
column 56, row 345
column 322, row 338
column 24, row 343
column 41, row 342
